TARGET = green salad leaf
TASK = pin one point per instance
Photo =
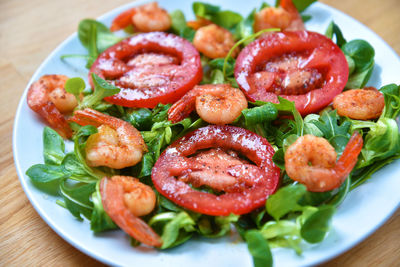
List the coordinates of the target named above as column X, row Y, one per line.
column 53, row 147
column 359, row 54
column 215, row 226
column 391, row 93
column 179, row 26
column 224, row 18
column 44, row 173
column 302, row 5
column 244, row 28
column 283, row 233
column 285, row 200
column 77, row 198
column 102, row 89
column 95, row 37
column 316, row 225
column 259, row 249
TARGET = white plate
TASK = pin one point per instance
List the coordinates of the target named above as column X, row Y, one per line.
column 364, row 210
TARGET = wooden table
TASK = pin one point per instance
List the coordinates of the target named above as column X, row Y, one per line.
column 29, row 31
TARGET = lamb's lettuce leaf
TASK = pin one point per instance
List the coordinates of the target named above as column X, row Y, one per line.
column 359, row 55
column 179, row 26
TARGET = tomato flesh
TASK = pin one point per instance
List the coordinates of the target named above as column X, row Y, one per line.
column 168, row 68
column 255, row 148
column 304, row 67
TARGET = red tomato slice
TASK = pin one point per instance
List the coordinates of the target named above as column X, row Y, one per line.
column 246, row 143
column 169, row 67
column 304, row 67
column 112, row 197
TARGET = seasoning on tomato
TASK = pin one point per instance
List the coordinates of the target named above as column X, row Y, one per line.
column 234, row 163
column 302, row 66
column 150, row 68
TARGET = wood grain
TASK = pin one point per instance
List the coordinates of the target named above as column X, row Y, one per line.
column 29, row 31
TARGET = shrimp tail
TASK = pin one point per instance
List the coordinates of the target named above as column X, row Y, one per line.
column 90, row 116
column 55, row 119
column 123, row 20
column 297, row 22
column 182, row 108
column 348, row 159
column 288, row 6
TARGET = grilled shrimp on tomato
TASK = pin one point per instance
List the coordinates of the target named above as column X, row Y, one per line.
column 214, row 103
column 117, row 144
column 48, row 98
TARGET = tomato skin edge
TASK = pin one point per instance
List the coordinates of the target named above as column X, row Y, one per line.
column 238, row 139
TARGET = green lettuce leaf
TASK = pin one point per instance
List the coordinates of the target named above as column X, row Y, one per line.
column 179, row 26
column 259, row 249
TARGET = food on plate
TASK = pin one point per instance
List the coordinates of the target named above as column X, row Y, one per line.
column 48, row 98
column 214, row 41
column 145, row 18
column 122, row 197
column 251, row 185
column 169, row 66
column 360, row 104
column 214, row 103
column 264, row 151
column 311, row 160
column 285, row 17
column 304, row 67
column 117, row 144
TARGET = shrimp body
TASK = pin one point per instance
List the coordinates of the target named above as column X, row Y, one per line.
column 285, row 17
column 214, row 103
column 311, row 160
column 360, row 104
column 214, row 41
column 48, row 98
column 117, row 144
column 139, row 198
column 124, row 199
column 145, row 18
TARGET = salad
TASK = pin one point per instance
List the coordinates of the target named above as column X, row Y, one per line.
column 193, row 175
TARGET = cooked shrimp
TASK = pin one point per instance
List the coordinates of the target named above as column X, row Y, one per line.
column 214, row 41
column 360, row 104
column 285, row 17
column 145, row 18
column 48, row 98
column 311, row 160
column 214, row 103
column 139, row 198
column 124, row 198
column 117, row 144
